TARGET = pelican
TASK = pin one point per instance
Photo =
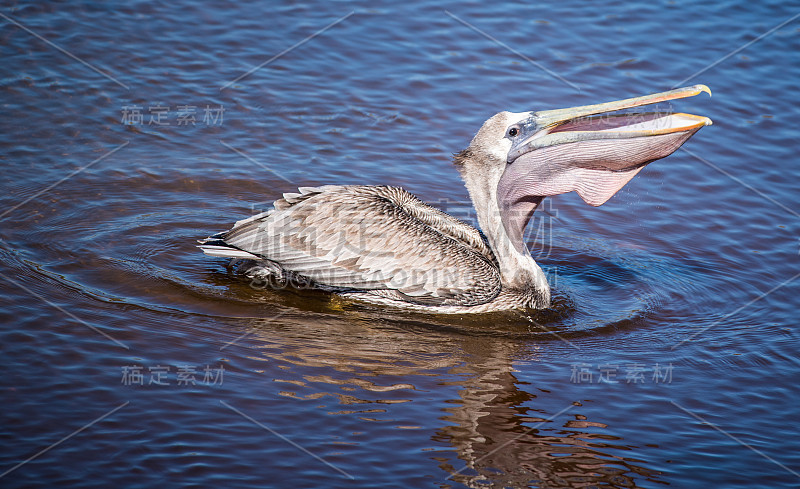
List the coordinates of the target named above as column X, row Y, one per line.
column 383, row 245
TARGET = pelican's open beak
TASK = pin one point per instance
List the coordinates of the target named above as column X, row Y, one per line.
column 589, row 150
column 560, row 126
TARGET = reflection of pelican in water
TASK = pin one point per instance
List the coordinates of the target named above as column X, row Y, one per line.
column 504, row 440
column 493, row 431
column 382, row 244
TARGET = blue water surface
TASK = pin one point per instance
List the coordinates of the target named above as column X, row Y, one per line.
column 130, row 359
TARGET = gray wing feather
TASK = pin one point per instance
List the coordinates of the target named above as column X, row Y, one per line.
column 372, row 238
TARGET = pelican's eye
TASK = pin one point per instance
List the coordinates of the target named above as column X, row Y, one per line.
column 513, row 131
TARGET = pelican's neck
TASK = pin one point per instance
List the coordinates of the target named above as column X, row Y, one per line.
column 518, row 269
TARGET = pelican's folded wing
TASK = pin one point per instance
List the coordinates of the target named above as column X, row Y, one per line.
column 370, row 238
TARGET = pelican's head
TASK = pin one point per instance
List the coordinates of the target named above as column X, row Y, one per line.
column 531, row 155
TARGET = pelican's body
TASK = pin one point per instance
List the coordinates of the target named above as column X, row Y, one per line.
column 383, row 245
